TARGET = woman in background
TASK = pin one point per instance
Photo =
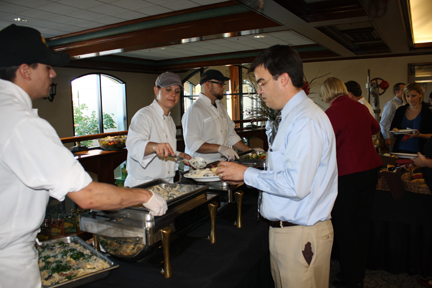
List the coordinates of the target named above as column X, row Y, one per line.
column 152, row 135
column 358, row 164
column 414, row 115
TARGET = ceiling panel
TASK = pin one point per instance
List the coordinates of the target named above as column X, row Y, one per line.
column 333, row 28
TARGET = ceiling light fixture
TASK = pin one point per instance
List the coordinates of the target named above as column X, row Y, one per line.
column 107, row 52
column 89, row 55
column 18, row 19
column 420, row 22
column 259, row 36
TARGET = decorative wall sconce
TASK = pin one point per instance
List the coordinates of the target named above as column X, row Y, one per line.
column 53, row 91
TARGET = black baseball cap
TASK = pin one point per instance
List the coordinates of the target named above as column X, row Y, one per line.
column 212, row 74
column 25, row 45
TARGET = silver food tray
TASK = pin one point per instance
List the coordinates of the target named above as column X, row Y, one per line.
column 82, row 280
column 194, row 189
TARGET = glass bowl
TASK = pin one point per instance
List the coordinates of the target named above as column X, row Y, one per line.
column 113, row 143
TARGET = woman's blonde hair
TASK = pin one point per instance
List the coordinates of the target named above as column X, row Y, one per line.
column 332, row 88
column 413, row 87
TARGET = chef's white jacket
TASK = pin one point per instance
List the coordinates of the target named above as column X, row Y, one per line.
column 150, row 124
column 204, row 123
column 34, row 165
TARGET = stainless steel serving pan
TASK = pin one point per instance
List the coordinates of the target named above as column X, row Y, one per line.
column 131, row 233
column 82, row 280
column 190, row 191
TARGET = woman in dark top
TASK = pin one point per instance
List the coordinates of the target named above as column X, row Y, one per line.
column 358, row 164
column 414, row 115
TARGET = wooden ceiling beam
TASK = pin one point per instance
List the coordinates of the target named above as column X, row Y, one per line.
column 170, row 34
column 127, row 64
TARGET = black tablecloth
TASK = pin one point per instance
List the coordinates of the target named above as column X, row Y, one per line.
column 239, row 258
column 401, row 233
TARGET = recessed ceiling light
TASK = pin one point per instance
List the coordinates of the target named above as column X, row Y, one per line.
column 259, row 36
column 421, row 24
column 164, row 48
column 20, row 19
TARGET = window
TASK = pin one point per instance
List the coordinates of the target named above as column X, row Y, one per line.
column 190, row 94
column 99, row 105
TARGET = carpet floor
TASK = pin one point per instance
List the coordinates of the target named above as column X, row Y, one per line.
column 381, row 279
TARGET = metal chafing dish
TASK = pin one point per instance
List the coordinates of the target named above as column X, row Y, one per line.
column 131, row 233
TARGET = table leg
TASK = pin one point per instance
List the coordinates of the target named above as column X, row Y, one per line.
column 166, row 235
column 239, row 199
column 213, row 209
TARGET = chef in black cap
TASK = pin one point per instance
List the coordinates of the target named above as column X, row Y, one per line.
column 34, row 164
column 208, row 130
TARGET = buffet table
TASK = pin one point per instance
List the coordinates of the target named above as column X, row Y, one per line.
column 239, row 258
column 401, row 233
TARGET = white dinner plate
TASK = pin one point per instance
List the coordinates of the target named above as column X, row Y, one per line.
column 403, row 131
column 405, row 155
column 203, row 179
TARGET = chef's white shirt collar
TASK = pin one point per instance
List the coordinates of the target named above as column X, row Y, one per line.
column 207, row 100
column 17, row 91
column 159, row 109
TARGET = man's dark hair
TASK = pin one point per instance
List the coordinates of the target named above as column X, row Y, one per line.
column 280, row 59
column 397, row 87
column 354, row 88
column 9, row 73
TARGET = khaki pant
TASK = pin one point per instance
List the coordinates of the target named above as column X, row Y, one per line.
column 289, row 250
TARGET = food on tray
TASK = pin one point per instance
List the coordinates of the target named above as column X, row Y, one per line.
column 199, row 173
column 417, row 176
column 213, row 169
column 198, row 162
column 255, row 155
column 122, row 246
column 171, row 191
column 391, row 168
column 112, row 143
column 60, row 262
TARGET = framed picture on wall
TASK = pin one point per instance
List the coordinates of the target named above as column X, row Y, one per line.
column 421, row 73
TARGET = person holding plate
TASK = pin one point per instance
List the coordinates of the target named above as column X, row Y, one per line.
column 151, row 140
column 415, row 115
column 358, row 164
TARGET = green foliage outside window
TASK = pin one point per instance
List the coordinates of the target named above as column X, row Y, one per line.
column 88, row 125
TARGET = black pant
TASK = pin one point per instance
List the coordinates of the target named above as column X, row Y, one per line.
column 351, row 222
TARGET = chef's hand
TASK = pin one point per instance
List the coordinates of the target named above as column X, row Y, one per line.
column 163, row 150
column 185, row 156
column 228, row 152
column 157, row 205
column 231, row 171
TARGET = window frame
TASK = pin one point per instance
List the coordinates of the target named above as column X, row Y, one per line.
column 99, row 100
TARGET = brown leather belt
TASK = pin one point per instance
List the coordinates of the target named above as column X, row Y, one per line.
column 279, row 224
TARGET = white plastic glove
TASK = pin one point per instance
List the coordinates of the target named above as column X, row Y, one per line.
column 157, row 205
column 258, row 149
column 228, row 152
